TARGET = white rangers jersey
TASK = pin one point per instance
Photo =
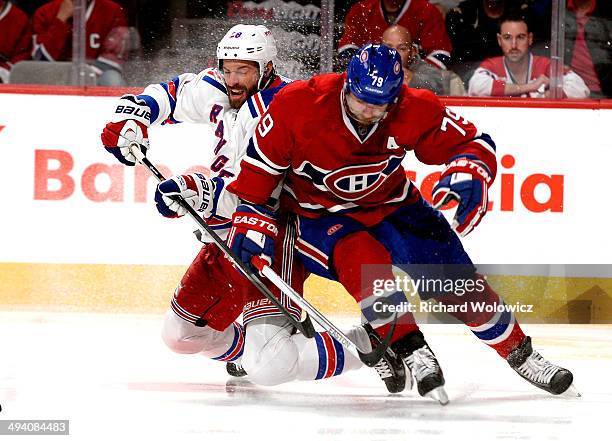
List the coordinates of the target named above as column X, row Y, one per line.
column 203, row 99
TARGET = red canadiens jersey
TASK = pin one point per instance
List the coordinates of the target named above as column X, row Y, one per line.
column 106, row 33
column 306, row 143
column 366, row 22
column 15, row 37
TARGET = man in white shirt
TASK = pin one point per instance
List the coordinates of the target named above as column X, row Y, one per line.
column 518, row 72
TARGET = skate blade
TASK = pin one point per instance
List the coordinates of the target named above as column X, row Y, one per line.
column 438, row 394
column 571, row 392
column 235, row 384
column 409, row 381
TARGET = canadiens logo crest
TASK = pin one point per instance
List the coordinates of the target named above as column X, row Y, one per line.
column 364, row 56
column 396, row 67
column 355, row 182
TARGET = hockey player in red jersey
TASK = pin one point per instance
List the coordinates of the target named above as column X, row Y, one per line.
column 212, row 294
column 335, row 144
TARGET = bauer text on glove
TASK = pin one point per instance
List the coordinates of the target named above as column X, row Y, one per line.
column 129, row 124
column 195, row 189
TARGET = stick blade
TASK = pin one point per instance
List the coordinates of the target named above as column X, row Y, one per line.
column 307, row 327
column 372, row 358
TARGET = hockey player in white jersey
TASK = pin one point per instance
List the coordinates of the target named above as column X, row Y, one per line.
column 211, row 294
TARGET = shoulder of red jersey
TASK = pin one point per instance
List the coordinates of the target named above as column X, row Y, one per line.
column 16, row 14
column 541, row 64
column 47, row 9
column 494, row 64
column 421, row 101
column 301, row 92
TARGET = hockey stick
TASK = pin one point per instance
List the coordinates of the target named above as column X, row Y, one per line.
column 305, row 327
column 369, row 359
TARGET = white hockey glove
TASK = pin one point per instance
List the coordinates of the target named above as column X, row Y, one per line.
column 196, row 189
column 466, row 180
column 129, row 124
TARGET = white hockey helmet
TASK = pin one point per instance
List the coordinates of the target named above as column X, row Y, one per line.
column 249, row 43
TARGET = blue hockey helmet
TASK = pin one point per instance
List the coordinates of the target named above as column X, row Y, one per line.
column 375, row 74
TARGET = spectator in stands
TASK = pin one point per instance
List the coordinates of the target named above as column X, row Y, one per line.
column 15, row 38
column 472, row 27
column 417, row 73
column 588, row 37
column 518, row 72
column 106, row 36
column 367, row 20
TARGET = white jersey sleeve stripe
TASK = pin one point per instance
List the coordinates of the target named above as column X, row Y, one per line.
column 214, row 83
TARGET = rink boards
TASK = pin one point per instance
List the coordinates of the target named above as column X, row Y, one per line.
column 81, row 231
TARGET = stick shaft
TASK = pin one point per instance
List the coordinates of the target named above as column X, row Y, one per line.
column 305, row 329
column 311, row 310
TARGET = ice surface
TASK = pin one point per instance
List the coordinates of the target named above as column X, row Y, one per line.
column 113, row 378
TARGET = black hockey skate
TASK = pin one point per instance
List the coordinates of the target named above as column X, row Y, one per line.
column 540, row 372
column 423, row 366
column 235, row 369
column 390, row 368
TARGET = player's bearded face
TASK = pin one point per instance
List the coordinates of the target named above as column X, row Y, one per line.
column 362, row 112
column 241, row 79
